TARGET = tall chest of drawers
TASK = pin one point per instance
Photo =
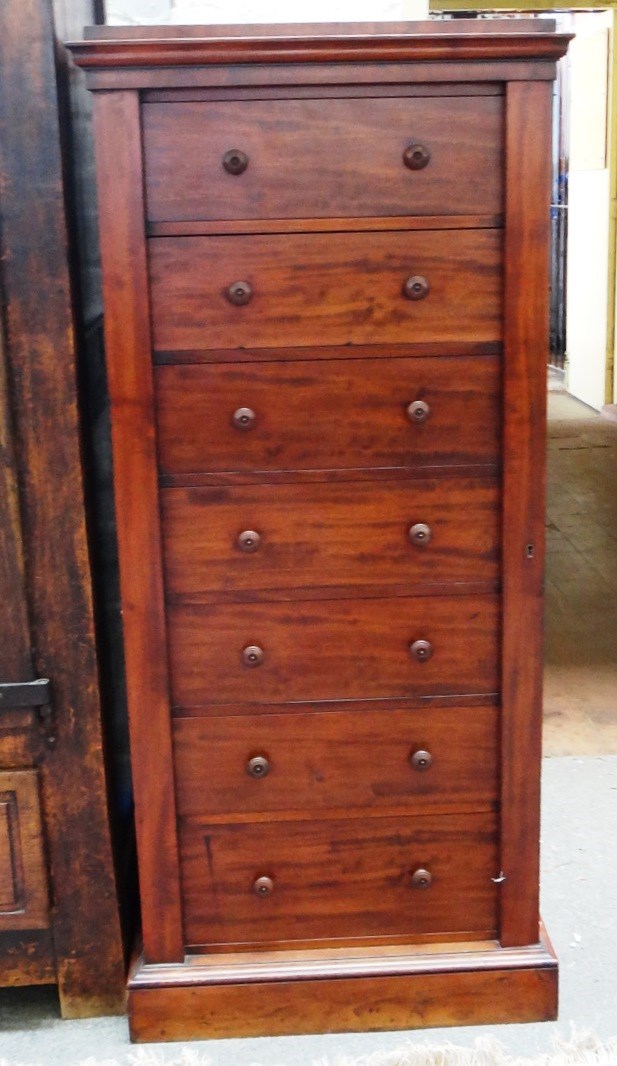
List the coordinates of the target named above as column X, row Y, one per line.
column 325, row 278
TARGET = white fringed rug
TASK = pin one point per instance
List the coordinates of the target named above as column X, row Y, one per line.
column 583, row 1050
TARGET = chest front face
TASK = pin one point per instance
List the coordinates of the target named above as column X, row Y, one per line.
column 325, row 275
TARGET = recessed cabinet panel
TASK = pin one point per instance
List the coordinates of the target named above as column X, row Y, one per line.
column 23, row 884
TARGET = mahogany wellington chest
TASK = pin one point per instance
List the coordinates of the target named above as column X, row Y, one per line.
column 325, row 279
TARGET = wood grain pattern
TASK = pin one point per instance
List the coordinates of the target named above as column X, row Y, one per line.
column 334, row 288
column 526, row 320
column 338, row 758
column 347, row 879
column 418, row 48
column 472, row 996
column 130, row 384
column 84, row 952
column 334, row 535
column 328, row 414
column 333, row 649
column 27, row 958
column 23, row 873
column 308, row 158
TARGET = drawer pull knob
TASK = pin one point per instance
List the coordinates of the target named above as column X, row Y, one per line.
column 258, row 766
column 236, row 162
column 252, row 655
column 416, row 288
column 418, row 411
column 248, row 541
column 421, row 760
column 421, row 879
column 416, row 156
column 263, row 886
column 240, row 293
column 420, row 534
column 421, row 650
column 244, row 418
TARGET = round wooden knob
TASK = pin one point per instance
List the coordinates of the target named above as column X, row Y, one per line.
column 252, row 655
column 416, row 288
column 421, row 760
column 240, row 293
column 258, row 766
column 263, row 886
column 248, row 541
column 418, row 411
column 419, row 534
column 421, row 650
column 235, row 161
column 416, row 156
column 244, row 418
column 421, row 879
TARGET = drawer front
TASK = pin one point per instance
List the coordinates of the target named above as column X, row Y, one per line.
column 333, row 288
column 350, row 879
column 322, row 158
column 427, row 760
column 334, row 649
column 329, row 414
column 248, row 538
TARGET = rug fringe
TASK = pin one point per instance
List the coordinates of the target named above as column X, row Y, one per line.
column 580, row 1050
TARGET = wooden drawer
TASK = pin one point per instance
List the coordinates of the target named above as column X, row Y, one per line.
column 333, row 649
column 345, row 879
column 329, row 414
column 321, row 158
column 409, row 533
column 333, row 288
column 340, row 759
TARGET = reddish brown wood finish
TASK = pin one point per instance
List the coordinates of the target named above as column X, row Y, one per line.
column 329, row 414
column 356, row 48
column 435, row 997
column 342, row 880
column 130, row 382
column 528, row 122
column 308, row 158
column 309, row 287
column 333, row 649
column 337, row 535
column 341, row 759
column 299, row 653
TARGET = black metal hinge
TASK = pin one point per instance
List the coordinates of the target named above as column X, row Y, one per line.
column 14, row 695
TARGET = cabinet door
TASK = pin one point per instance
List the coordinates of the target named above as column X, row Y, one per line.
column 23, row 883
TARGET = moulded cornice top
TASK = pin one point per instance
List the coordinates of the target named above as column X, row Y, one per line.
column 420, row 42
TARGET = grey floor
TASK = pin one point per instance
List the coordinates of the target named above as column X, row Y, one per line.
column 579, row 904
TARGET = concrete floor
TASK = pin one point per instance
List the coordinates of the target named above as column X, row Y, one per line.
column 579, row 856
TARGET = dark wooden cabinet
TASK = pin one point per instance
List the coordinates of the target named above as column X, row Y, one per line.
column 325, row 275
